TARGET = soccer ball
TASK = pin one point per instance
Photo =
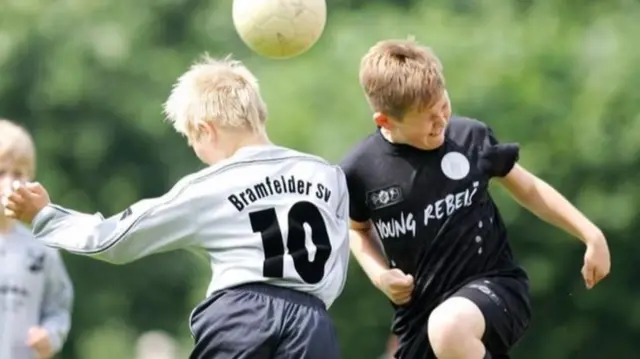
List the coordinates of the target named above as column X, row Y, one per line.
column 279, row 29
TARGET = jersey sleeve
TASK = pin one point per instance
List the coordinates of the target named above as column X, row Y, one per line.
column 147, row 227
column 497, row 159
column 358, row 210
column 57, row 301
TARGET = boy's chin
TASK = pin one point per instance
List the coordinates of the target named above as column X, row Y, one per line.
column 431, row 142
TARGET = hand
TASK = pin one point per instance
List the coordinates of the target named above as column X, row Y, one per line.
column 38, row 340
column 396, row 285
column 25, row 201
column 597, row 260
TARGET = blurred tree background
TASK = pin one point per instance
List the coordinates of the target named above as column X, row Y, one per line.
column 559, row 76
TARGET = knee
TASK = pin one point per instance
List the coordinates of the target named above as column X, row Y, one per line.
column 455, row 328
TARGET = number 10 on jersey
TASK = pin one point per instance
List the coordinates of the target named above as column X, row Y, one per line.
column 266, row 223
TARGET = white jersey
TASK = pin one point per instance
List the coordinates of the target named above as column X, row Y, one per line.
column 268, row 214
column 35, row 290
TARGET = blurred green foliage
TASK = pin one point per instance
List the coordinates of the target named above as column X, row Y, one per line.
column 561, row 77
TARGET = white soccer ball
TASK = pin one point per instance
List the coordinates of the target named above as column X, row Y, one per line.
column 279, row 28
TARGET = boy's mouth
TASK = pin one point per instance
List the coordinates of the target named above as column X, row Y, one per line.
column 436, row 133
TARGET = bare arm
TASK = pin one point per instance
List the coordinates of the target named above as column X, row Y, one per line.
column 367, row 251
column 548, row 204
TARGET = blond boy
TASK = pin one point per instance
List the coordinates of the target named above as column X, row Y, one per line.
column 35, row 291
column 421, row 182
column 254, row 210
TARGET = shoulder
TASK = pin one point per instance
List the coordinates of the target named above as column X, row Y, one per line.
column 249, row 166
column 465, row 130
column 314, row 163
column 26, row 237
column 359, row 157
column 312, row 160
column 33, row 246
column 23, row 232
column 461, row 124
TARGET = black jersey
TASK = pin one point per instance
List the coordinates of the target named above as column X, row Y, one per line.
column 433, row 212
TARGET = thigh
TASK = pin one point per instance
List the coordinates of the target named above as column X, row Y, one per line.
column 504, row 302
column 308, row 334
column 235, row 324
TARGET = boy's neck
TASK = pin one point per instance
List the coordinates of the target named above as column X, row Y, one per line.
column 388, row 135
column 256, row 139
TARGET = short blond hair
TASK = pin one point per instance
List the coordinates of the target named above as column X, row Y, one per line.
column 220, row 91
column 17, row 145
column 398, row 76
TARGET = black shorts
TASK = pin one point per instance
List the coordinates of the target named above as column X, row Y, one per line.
column 259, row 321
column 505, row 304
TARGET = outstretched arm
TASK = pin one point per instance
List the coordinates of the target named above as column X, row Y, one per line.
column 147, row 227
column 500, row 161
column 549, row 205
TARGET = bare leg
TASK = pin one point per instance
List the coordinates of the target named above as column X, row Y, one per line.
column 455, row 330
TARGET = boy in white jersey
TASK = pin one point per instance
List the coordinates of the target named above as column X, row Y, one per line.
column 273, row 221
column 35, row 290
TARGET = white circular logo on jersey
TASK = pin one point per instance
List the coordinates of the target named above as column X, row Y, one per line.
column 455, row 165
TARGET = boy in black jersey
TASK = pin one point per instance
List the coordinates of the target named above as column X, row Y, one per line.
column 421, row 181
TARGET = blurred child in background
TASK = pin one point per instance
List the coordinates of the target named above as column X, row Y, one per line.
column 36, row 294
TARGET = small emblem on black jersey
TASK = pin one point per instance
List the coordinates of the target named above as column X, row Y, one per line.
column 384, row 197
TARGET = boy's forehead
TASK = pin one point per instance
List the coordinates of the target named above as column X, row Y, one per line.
column 434, row 108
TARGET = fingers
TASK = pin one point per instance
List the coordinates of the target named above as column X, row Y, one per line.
column 35, row 188
column 41, row 348
column 397, row 279
column 12, row 205
column 408, row 279
column 402, row 299
column 401, row 289
column 14, row 198
column 38, row 340
column 24, row 201
column 589, row 275
column 401, row 295
column 32, row 336
column 593, row 274
column 23, row 191
column 599, row 275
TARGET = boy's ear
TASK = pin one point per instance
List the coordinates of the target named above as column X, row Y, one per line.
column 381, row 120
column 206, row 129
